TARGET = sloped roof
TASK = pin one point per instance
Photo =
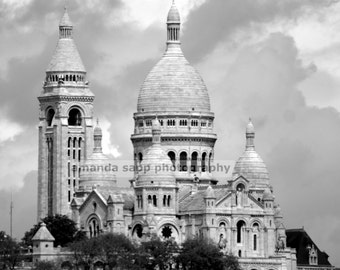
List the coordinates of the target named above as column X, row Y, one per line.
column 66, row 57
column 299, row 239
column 43, row 234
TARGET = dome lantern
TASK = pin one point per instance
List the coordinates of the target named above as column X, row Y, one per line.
column 173, row 25
column 250, row 165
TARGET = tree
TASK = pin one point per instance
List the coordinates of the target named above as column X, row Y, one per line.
column 46, row 265
column 114, row 250
column 201, row 254
column 157, row 254
column 10, row 251
column 61, row 227
column 86, row 251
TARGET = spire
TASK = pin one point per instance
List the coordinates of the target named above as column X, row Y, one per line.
column 65, row 25
column 250, row 136
column 66, row 58
column 173, row 25
column 97, row 137
column 156, row 131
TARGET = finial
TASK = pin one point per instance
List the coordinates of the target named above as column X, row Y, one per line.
column 250, row 135
column 97, row 121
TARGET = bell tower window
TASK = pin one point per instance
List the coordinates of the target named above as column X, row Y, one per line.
column 183, row 158
column 194, row 156
column 74, row 117
column 172, row 157
column 50, row 117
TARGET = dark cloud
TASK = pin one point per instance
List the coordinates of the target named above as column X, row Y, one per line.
column 216, row 20
column 298, row 143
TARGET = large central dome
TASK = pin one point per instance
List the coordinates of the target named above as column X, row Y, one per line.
column 173, row 84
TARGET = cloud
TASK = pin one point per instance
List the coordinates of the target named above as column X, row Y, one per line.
column 214, row 21
column 248, row 72
column 299, row 143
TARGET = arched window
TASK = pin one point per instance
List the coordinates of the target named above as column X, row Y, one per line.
column 204, row 156
column 154, row 200
column 255, row 242
column 240, row 228
column 164, row 200
column 194, row 156
column 93, row 227
column 209, row 164
column 240, row 187
column 138, row 231
column 50, row 117
column 140, row 157
column 169, row 200
column 172, row 157
column 149, row 199
column 183, row 158
column 74, row 117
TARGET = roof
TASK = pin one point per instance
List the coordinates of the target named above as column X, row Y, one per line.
column 173, row 85
column 250, row 165
column 65, row 20
column 43, row 234
column 173, row 15
column 299, row 239
column 126, row 193
column 195, row 202
column 66, row 57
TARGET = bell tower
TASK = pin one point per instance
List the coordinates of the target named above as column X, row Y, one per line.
column 65, row 125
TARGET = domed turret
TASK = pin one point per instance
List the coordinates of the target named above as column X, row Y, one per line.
column 209, row 193
column 96, row 170
column 157, row 167
column 250, row 165
column 173, row 15
column 173, row 84
column 176, row 93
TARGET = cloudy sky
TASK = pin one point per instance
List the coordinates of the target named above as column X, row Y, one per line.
column 274, row 60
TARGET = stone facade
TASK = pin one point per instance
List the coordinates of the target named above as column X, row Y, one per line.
column 177, row 197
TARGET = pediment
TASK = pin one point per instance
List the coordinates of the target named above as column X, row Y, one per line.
column 96, row 197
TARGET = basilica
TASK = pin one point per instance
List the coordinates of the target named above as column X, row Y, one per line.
column 178, row 196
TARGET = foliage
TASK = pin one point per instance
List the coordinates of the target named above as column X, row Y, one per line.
column 61, row 227
column 116, row 251
column 200, row 254
column 46, row 265
column 157, row 254
column 10, row 251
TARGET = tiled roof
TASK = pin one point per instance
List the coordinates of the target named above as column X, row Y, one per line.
column 299, row 239
column 127, row 193
column 173, row 15
column 43, row 234
column 173, row 85
column 66, row 57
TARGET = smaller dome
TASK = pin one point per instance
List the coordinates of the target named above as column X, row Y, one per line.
column 65, row 20
column 278, row 213
column 250, row 127
column 250, row 165
column 268, row 196
column 156, row 165
column 173, row 15
column 97, row 130
column 209, row 193
column 156, row 126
